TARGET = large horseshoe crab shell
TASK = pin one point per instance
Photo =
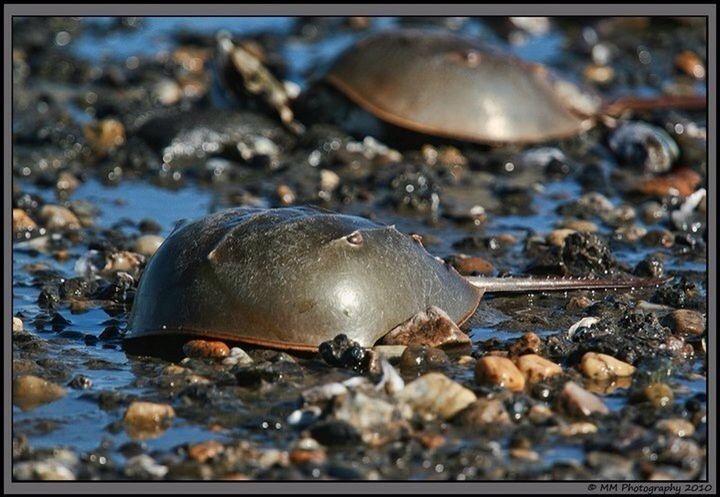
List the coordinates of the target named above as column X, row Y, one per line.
column 292, row 278
column 442, row 84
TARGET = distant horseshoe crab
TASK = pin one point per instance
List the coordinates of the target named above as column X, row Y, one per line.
column 292, row 278
column 442, row 84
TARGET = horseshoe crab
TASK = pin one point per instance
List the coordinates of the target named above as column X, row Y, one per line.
column 292, row 278
column 442, row 84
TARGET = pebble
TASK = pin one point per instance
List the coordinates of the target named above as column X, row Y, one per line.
column 540, row 414
column 237, row 356
column 577, row 303
column 524, row 454
column 420, row 358
column 686, row 322
column 604, row 367
column 676, row 426
column 434, row 394
column 689, row 63
column 583, row 323
column 578, row 428
column 390, row 382
column 203, row 451
column 499, row 371
column 643, row 146
column 144, row 467
column 122, row 261
column 682, row 182
column 536, row 368
column 432, row 327
column 143, row 415
column 484, row 413
column 43, row 470
column 529, row 343
column 468, row 265
column 17, row 325
column 557, row 237
column 32, row 391
column 577, row 401
column 56, row 217
column 204, row 349
column 659, row 394
column 580, row 225
column 105, row 135
column 22, row 222
column 147, row 245
column 376, row 420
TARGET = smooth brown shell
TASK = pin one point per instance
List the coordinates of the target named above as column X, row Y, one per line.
column 442, row 84
column 292, row 278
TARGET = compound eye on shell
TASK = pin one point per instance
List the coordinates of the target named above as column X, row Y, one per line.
column 354, row 238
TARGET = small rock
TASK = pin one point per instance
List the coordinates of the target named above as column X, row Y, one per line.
column 329, row 180
column 345, row 353
column 431, row 441
column 686, row 322
column 434, row 394
column 55, row 217
column 141, row 417
column 420, row 358
column 21, row 222
column 469, row 265
column 484, row 413
column 643, row 146
column 144, row 467
column 604, row 367
column 147, row 245
column 17, row 325
column 580, row 225
column 32, row 391
column 43, row 470
column 682, row 182
column 499, row 371
column 529, row 343
column 689, row 63
column 540, row 414
column 376, row 420
column 122, row 261
column 536, row 368
column 557, row 237
column 237, row 356
column 105, row 135
column 578, row 428
column 203, row 349
column 577, row 303
column 659, row 394
column 432, row 327
column 676, row 426
column 203, row 451
column 577, row 401
column 524, row 454
column 80, row 382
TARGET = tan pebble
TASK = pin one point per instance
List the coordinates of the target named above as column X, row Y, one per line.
column 687, row 322
column 676, row 426
column 104, row 135
column 470, row 265
column 599, row 74
column 329, row 180
column 689, row 63
column 206, row 349
column 203, row 451
column 56, row 217
column 604, row 367
column 631, row 233
column 577, row 401
column 143, row 414
column 536, row 368
column 659, row 394
column 61, row 255
column 606, row 387
column 22, row 222
column 499, row 371
column 147, row 245
column 67, row 183
column 285, row 194
column 434, row 394
column 529, row 343
column 32, row 391
column 524, row 454
column 580, row 225
column 174, row 369
column 557, row 237
column 17, row 325
column 464, row 360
